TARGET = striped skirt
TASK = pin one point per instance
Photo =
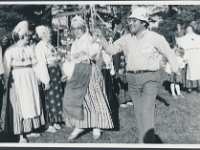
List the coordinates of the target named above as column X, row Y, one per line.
column 97, row 113
column 189, row 83
column 14, row 122
column 108, row 84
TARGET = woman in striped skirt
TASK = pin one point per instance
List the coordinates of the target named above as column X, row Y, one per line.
column 49, row 74
column 85, row 104
column 23, row 112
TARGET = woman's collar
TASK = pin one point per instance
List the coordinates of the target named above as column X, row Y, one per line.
column 83, row 37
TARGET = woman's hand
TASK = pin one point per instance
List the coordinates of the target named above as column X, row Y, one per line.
column 47, row 87
column 96, row 36
column 97, row 33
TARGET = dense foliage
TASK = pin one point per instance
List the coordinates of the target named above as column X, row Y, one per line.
column 182, row 14
column 10, row 15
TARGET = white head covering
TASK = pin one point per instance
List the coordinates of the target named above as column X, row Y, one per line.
column 21, row 28
column 41, row 31
column 78, row 20
column 140, row 13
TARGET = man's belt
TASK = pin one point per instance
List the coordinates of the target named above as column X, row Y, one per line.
column 141, row 71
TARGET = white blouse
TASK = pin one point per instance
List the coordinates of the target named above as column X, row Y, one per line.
column 83, row 49
column 45, row 54
column 18, row 56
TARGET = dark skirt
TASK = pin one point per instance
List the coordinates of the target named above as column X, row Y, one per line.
column 108, row 84
column 174, row 78
column 121, row 88
column 112, row 97
column 53, row 97
column 75, row 91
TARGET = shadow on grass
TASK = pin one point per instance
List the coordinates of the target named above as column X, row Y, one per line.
column 151, row 137
column 6, row 137
column 158, row 140
column 166, row 85
column 162, row 100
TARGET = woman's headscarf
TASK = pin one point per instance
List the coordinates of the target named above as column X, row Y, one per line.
column 41, row 31
column 78, row 20
column 21, row 28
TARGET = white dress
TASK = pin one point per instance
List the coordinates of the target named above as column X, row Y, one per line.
column 24, row 94
column 191, row 44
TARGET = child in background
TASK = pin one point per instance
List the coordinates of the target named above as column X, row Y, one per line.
column 67, row 39
column 67, row 66
column 176, row 79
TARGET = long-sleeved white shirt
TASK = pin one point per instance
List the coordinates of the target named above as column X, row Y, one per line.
column 45, row 54
column 144, row 53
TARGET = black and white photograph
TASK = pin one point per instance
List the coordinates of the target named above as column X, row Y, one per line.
column 109, row 73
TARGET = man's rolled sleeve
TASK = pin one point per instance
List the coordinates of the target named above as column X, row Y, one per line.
column 165, row 49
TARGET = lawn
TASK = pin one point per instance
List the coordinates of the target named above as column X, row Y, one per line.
column 177, row 122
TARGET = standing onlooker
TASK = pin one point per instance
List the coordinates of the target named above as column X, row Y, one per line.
column 67, row 38
column 49, row 74
column 1, row 86
column 120, row 81
column 23, row 112
column 142, row 49
column 177, row 79
column 85, row 103
column 190, row 43
column 5, row 44
column 179, row 33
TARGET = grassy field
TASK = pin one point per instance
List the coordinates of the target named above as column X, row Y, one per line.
column 177, row 122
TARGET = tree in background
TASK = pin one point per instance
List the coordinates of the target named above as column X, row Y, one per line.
column 175, row 14
column 10, row 15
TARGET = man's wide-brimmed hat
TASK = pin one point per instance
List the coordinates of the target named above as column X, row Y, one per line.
column 140, row 13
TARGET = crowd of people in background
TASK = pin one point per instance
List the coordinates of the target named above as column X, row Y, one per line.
column 84, row 81
column 186, row 48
